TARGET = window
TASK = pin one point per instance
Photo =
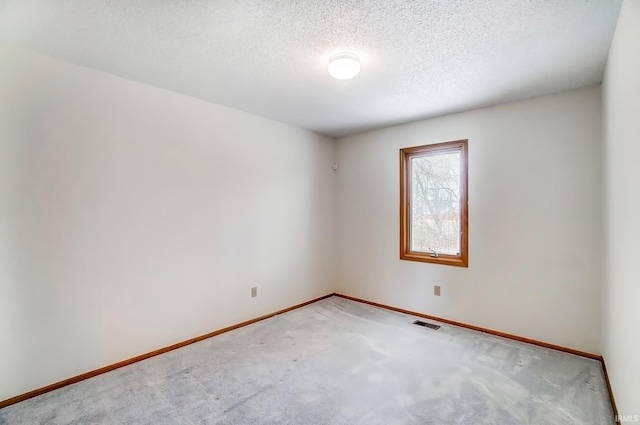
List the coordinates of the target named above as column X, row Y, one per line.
column 433, row 203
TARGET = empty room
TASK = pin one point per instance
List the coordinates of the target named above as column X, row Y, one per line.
column 319, row 212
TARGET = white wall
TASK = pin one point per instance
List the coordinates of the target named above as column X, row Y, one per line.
column 132, row 218
column 534, row 220
column 621, row 107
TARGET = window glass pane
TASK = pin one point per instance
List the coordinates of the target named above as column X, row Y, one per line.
column 435, row 203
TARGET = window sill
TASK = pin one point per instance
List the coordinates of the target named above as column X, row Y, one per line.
column 448, row 260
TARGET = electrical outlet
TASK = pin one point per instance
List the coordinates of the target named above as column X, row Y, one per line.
column 436, row 291
column 254, row 292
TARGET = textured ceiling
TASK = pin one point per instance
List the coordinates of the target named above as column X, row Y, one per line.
column 269, row 57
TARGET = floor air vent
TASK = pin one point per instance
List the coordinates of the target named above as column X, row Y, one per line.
column 426, row 325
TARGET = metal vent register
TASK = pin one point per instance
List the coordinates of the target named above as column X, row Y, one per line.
column 427, row 325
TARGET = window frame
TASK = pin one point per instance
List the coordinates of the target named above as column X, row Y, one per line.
column 406, row 154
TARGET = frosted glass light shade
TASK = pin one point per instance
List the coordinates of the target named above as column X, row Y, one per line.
column 344, row 66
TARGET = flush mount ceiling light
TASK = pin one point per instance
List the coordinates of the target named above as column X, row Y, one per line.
column 344, row 66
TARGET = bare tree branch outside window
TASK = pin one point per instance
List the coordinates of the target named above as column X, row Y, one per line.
column 435, row 206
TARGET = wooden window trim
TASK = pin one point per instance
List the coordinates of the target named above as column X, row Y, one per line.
column 461, row 260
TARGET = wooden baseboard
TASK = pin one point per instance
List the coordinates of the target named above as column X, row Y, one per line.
column 141, row 357
column 610, row 390
column 503, row 335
